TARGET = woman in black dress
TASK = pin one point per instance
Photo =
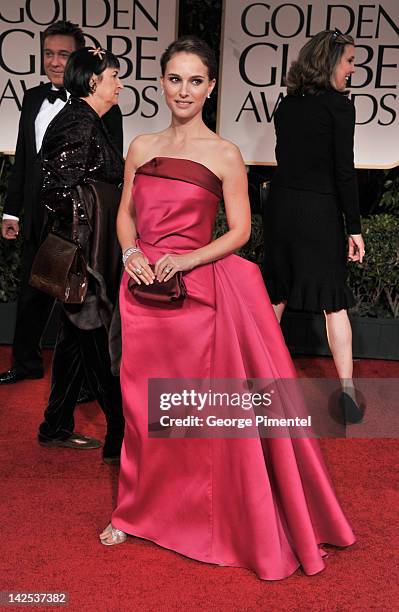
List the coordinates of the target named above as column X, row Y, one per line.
column 76, row 149
column 314, row 199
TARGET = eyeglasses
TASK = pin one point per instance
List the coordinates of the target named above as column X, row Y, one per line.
column 336, row 33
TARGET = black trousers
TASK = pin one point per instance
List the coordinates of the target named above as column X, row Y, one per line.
column 82, row 354
column 33, row 311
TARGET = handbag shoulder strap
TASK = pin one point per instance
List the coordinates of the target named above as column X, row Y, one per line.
column 75, row 218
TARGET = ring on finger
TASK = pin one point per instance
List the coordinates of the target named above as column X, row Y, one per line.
column 138, row 270
column 167, row 269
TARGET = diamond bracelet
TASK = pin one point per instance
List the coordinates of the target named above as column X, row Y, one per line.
column 128, row 252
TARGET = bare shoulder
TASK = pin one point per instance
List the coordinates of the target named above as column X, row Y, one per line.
column 229, row 149
column 229, row 158
column 139, row 149
column 140, row 142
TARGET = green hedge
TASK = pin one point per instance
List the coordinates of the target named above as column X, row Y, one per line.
column 375, row 282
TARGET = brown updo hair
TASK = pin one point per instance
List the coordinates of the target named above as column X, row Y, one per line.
column 312, row 71
column 194, row 45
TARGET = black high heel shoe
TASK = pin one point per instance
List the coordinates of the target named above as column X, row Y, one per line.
column 344, row 410
column 351, row 411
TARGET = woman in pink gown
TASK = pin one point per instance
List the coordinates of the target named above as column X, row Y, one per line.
column 263, row 504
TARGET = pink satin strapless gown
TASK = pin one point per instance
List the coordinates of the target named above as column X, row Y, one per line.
column 266, row 505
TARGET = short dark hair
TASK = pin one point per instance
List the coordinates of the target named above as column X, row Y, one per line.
column 195, row 45
column 81, row 66
column 65, row 28
column 312, row 71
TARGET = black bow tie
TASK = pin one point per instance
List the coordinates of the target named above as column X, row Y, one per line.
column 54, row 94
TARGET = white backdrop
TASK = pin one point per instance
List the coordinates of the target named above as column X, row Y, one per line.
column 137, row 31
column 259, row 41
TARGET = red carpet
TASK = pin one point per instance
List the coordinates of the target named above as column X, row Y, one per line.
column 55, row 502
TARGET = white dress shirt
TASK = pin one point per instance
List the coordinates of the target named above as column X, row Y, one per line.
column 45, row 115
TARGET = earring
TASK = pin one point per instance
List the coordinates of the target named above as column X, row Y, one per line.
column 208, row 96
column 93, row 87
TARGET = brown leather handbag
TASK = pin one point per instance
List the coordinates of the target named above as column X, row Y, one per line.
column 174, row 290
column 59, row 267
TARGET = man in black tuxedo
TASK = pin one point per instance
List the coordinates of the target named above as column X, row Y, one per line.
column 40, row 105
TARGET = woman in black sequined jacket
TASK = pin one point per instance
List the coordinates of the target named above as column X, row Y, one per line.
column 76, row 149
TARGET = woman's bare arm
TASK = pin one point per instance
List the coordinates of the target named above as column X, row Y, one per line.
column 125, row 225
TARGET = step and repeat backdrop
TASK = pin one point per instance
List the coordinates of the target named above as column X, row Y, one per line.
column 136, row 31
column 259, row 41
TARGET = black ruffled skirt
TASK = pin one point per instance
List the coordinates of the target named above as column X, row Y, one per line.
column 305, row 261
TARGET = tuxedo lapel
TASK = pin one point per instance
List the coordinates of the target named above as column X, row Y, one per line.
column 33, row 112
